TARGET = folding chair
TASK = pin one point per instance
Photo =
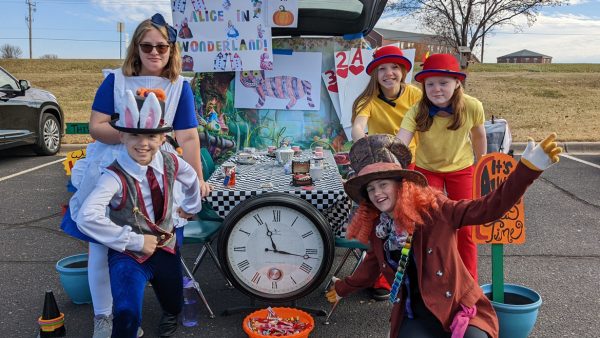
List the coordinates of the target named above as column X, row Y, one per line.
column 354, row 247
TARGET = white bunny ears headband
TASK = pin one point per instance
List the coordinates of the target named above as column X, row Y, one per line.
column 144, row 120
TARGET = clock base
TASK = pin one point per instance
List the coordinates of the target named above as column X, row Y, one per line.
column 253, row 307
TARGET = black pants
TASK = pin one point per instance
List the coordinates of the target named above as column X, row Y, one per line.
column 426, row 325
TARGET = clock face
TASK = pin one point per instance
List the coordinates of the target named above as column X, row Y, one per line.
column 276, row 250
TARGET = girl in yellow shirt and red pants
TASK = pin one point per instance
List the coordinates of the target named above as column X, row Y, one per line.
column 449, row 125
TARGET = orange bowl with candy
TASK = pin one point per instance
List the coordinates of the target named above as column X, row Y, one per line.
column 278, row 322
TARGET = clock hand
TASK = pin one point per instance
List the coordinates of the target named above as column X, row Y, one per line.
column 289, row 253
column 270, row 234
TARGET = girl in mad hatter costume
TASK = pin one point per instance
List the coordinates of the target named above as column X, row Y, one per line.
column 411, row 229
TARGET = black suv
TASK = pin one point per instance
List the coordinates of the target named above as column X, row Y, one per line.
column 28, row 116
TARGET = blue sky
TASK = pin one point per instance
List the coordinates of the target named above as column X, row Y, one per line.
column 87, row 29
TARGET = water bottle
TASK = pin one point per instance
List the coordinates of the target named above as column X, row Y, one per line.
column 190, row 303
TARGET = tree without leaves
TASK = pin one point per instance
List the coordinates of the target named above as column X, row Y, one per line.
column 465, row 22
column 10, row 52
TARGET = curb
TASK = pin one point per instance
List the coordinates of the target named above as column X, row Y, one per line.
column 572, row 148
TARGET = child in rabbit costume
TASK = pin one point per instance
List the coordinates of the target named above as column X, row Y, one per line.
column 130, row 212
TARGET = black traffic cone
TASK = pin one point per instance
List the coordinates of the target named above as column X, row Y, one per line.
column 52, row 321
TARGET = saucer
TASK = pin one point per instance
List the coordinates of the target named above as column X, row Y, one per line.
column 248, row 161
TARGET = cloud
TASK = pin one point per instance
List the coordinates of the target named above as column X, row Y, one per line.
column 132, row 11
column 567, row 37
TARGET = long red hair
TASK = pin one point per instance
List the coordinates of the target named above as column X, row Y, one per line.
column 414, row 204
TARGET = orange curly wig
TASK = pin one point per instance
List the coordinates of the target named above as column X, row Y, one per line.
column 414, row 204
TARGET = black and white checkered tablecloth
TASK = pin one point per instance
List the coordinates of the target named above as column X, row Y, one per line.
column 265, row 175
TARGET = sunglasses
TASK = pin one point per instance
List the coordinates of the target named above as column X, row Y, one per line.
column 147, row 48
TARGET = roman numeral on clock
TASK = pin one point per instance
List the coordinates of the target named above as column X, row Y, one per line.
column 295, row 219
column 258, row 219
column 307, row 234
column 273, row 285
column 256, row 278
column 239, row 248
column 246, row 232
column 293, row 280
column 306, row 268
column 243, row 265
column 276, row 215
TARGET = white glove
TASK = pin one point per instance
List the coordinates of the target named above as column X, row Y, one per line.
column 332, row 295
column 540, row 157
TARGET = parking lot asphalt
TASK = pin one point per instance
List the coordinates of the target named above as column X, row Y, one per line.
column 560, row 260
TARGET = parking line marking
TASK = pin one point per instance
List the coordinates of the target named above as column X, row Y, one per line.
column 581, row 161
column 31, row 169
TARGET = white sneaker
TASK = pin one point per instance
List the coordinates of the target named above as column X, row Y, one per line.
column 102, row 326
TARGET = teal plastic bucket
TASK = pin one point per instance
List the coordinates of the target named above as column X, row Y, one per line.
column 73, row 272
column 518, row 314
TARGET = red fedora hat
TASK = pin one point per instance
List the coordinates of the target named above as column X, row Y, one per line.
column 440, row 65
column 388, row 54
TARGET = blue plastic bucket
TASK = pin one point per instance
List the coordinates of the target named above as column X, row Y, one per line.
column 73, row 272
column 517, row 316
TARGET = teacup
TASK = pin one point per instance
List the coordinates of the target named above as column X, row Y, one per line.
column 271, row 149
column 250, row 150
column 245, row 157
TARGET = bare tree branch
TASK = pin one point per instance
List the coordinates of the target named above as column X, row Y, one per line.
column 10, row 52
column 465, row 22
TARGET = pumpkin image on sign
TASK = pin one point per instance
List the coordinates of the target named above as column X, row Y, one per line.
column 283, row 17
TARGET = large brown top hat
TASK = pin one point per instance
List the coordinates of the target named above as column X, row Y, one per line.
column 379, row 157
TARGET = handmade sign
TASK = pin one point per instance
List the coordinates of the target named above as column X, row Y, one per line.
column 221, row 36
column 294, row 84
column 491, row 171
column 282, row 13
column 72, row 157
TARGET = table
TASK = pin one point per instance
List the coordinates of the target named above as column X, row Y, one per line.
column 265, row 175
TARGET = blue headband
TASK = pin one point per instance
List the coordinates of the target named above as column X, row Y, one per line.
column 159, row 21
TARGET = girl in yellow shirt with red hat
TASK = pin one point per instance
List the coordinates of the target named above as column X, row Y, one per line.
column 449, row 125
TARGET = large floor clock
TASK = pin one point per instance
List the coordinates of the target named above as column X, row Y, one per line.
column 276, row 247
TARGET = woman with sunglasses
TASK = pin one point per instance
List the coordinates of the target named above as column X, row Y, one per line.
column 153, row 61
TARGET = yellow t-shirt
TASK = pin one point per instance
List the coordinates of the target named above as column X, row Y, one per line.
column 441, row 149
column 385, row 119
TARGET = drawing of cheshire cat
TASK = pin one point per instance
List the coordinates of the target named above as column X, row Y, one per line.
column 280, row 87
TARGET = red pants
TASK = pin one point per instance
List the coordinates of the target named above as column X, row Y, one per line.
column 459, row 185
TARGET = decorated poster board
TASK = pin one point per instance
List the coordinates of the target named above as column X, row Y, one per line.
column 282, row 13
column 220, row 36
column 491, row 171
column 224, row 128
column 332, row 89
column 293, row 84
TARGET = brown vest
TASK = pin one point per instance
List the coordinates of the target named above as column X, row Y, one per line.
column 132, row 209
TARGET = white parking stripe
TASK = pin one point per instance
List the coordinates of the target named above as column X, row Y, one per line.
column 31, row 169
column 580, row 160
